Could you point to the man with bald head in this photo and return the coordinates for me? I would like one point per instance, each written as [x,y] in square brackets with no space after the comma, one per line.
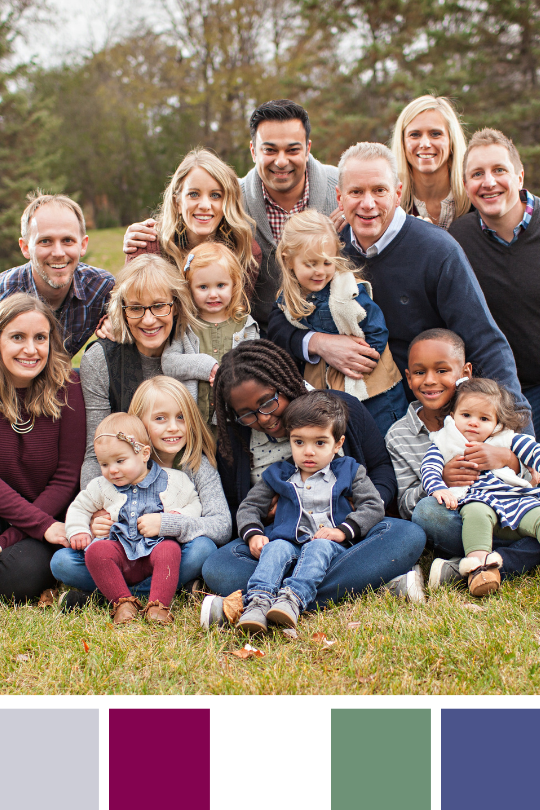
[421,279]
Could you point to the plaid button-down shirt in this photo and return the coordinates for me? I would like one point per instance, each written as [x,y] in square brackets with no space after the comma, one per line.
[83,306]
[277,216]
[526,197]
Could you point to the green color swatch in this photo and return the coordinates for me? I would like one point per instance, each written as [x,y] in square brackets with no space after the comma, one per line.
[381,759]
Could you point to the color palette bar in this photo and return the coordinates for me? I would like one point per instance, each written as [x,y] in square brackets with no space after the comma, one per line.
[159,758]
[48,754]
[490,758]
[381,758]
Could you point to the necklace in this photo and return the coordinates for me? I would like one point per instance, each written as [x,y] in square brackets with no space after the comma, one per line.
[24,427]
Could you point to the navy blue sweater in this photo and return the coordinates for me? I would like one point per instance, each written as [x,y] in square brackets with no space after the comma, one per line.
[363,442]
[423,280]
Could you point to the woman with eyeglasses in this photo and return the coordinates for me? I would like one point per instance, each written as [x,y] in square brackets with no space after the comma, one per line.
[254,384]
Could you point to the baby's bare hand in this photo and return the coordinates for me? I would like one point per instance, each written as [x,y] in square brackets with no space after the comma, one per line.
[446,497]
[149,525]
[327,533]
[80,541]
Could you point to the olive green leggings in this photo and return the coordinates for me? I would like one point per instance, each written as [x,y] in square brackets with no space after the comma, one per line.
[480,522]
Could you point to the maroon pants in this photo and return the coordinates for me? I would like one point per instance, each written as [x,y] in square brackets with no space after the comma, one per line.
[113,572]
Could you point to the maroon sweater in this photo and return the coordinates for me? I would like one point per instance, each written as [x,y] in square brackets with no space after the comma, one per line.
[39,471]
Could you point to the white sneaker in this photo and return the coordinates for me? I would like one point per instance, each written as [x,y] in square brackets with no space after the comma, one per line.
[409,585]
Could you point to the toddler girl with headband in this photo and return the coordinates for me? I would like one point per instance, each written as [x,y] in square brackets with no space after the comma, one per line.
[135,491]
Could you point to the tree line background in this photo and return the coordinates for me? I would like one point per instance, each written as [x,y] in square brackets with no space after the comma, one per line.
[110,126]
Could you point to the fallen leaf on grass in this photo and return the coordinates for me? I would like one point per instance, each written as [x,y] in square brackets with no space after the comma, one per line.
[86,647]
[354,625]
[474,608]
[365,678]
[248,651]
[290,632]
[321,639]
[22,658]
[233,606]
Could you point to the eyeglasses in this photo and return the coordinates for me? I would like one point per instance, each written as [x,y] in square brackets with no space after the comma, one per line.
[266,408]
[138,311]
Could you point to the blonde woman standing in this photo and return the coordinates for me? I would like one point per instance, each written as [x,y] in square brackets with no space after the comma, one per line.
[429,145]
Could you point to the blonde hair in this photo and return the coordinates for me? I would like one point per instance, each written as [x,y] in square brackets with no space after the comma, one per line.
[37,199]
[199,440]
[458,145]
[307,233]
[235,228]
[150,273]
[41,398]
[493,137]
[127,423]
[215,252]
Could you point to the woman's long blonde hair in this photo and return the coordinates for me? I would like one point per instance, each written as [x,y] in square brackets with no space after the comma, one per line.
[458,145]
[217,253]
[234,230]
[42,394]
[150,273]
[199,440]
[313,234]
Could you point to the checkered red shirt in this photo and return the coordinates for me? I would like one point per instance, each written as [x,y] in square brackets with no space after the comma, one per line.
[277,216]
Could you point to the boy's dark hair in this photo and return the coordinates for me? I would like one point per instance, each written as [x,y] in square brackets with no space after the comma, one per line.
[317,409]
[280,110]
[446,335]
[505,405]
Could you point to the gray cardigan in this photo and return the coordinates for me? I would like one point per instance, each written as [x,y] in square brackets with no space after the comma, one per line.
[322,196]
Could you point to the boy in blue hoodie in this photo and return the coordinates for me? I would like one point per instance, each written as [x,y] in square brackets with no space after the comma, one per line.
[314,522]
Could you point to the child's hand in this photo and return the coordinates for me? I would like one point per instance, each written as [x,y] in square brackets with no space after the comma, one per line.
[488,457]
[56,535]
[460,473]
[327,533]
[100,523]
[149,525]
[447,497]
[212,376]
[80,541]
[256,544]
[272,511]
[535,476]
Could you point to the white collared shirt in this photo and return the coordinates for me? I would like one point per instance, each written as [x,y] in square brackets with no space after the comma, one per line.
[398,221]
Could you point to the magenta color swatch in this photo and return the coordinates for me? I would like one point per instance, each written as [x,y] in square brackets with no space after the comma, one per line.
[159,758]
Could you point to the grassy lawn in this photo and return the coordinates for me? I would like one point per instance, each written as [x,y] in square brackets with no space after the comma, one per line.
[105,251]
[451,645]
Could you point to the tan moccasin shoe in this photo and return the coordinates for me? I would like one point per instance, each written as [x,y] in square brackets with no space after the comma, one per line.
[125,610]
[157,612]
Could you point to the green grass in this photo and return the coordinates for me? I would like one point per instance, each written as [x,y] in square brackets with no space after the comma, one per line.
[105,251]
[451,645]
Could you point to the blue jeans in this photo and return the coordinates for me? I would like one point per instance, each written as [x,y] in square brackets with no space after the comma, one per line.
[388,550]
[533,397]
[69,566]
[313,559]
[388,407]
[443,529]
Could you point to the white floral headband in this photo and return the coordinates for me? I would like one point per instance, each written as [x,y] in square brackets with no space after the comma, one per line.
[137,446]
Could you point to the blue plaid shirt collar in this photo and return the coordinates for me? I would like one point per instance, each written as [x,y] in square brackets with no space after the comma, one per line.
[526,197]
[76,288]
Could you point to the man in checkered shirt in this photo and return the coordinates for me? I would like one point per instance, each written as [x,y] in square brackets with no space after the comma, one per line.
[53,238]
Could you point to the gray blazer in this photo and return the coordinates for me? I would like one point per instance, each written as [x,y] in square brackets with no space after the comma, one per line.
[322,196]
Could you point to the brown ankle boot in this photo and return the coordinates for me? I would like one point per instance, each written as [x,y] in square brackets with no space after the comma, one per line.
[157,612]
[47,598]
[125,610]
[483,579]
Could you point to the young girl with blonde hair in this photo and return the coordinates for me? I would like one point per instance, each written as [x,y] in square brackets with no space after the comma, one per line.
[320,292]
[217,285]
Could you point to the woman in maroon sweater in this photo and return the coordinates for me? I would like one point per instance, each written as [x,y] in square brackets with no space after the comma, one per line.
[42,440]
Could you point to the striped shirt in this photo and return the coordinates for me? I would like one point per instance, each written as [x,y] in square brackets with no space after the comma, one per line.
[407,442]
[510,503]
[526,197]
[277,216]
[82,308]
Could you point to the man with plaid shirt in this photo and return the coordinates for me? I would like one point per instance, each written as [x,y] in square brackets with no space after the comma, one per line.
[53,238]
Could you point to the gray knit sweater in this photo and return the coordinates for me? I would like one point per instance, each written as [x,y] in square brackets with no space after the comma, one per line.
[322,196]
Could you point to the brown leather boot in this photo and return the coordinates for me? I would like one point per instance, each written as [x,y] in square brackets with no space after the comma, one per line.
[157,612]
[483,579]
[125,610]
[47,598]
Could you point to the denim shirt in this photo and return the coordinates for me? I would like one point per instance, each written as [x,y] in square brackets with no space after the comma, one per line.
[373,325]
[142,499]
[315,496]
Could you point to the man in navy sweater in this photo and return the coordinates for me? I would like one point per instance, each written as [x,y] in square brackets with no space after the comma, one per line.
[421,279]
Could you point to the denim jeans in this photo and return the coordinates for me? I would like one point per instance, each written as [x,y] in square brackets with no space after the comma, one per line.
[388,407]
[533,396]
[69,566]
[312,559]
[443,529]
[388,550]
